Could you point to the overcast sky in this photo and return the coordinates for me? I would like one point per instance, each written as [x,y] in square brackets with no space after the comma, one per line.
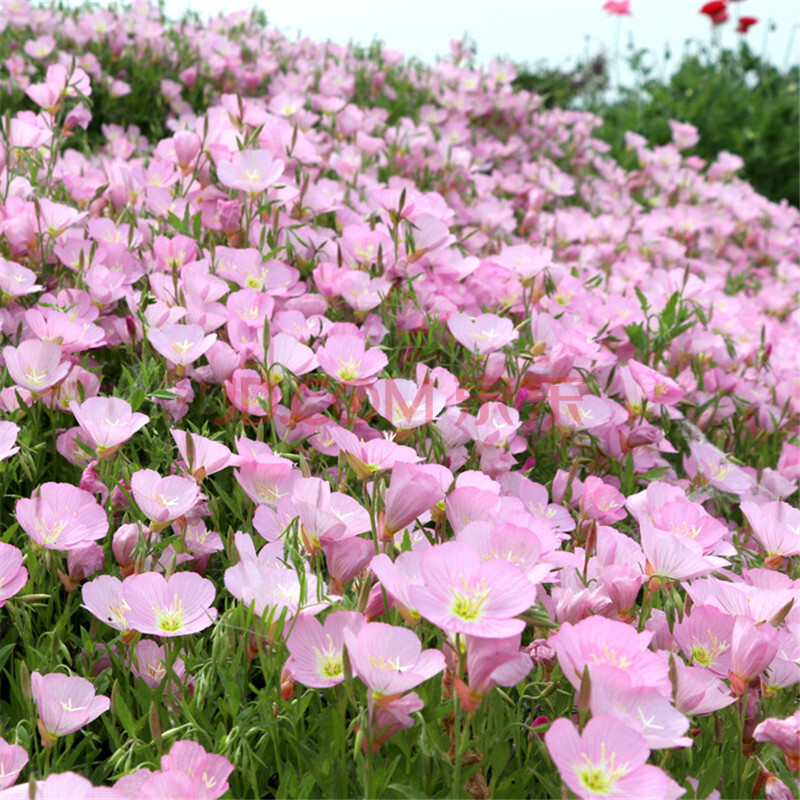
[557,31]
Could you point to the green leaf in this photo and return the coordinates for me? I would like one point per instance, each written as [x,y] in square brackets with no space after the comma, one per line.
[710,777]
[125,717]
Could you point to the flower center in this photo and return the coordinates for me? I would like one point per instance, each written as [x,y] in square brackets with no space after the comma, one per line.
[170,619]
[468,604]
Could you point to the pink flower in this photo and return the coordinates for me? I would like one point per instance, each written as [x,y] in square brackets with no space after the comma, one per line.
[103,598]
[202,456]
[375,455]
[607,760]
[208,771]
[12,759]
[13,576]
[108,422]
[16,280]
[345,359]
[60,785]
[484,333]
[602,502]
[465,594]
[597,640]
[413,489]
[65,704]
[316,649]
[164,500]
[149,664]
[753,647]
[60,516]
[181,344]
[705,636]
[490,663]
[390,660]
[169,607]
[785,733]
[35,365]
[404,403]
[252,171]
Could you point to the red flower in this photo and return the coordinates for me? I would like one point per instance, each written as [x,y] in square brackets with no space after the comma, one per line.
[745,23]
[717,10]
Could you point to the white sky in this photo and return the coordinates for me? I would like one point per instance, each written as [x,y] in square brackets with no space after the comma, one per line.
[557,31]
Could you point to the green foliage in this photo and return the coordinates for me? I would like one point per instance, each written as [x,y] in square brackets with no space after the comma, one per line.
[739,104]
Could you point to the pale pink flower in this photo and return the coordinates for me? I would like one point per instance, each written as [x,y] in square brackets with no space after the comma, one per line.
[208,771]
[345,359]
[108,422]
[602,502]
[149,664]
[163,500]
[465,594]
[8,438]
[657,388]
[13,576]
[753,647]
[251,171]
[597,640]
[372,456]
[58,786]
[316,649]
[705,637]
[404,403]
[785,733]
[169,607]
[484,333]
[776,526]
[65,704]
[35,365]
[12,759]
[103,598]
[607,760]
[60,516]
[390,660]
[413,489]
[16,280]
[490,663]
[643,708]
[181,345]
[202,456]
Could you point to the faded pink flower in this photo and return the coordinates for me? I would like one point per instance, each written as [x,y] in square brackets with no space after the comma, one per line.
[65,704]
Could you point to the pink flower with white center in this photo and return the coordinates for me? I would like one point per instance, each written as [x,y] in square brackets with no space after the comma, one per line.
[108,422]
[644,708]
[361,292]
[482,334]
[56,218]
[181,345]
[577,412]
[13,576]
[397,577]
[12,759]
[597,640]
[675,557]
[785,733]
[65,704]
[60,516]
[57,786]
[149,664]
[202,456]
[707,464]
[404,403]
[208,769]
[103,598]
[490,663]
[35,365]
[286,355]
[16,280]
[251,171]
[365,458]
[607,760]
[390,660]
[249,393]
[742,599]
[691,521]
[164,500]
[8,437]
[465,594]
[169,607]
[602,502]
[316,649]
[271,589]
[266,481]
[776,526]
[345,359]
[705,637]
[494,425]
[657,388]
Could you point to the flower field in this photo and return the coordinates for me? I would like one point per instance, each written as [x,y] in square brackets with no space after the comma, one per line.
[368,431]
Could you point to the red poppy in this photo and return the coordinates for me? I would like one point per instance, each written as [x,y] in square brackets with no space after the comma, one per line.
[717,11]
[745,23]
